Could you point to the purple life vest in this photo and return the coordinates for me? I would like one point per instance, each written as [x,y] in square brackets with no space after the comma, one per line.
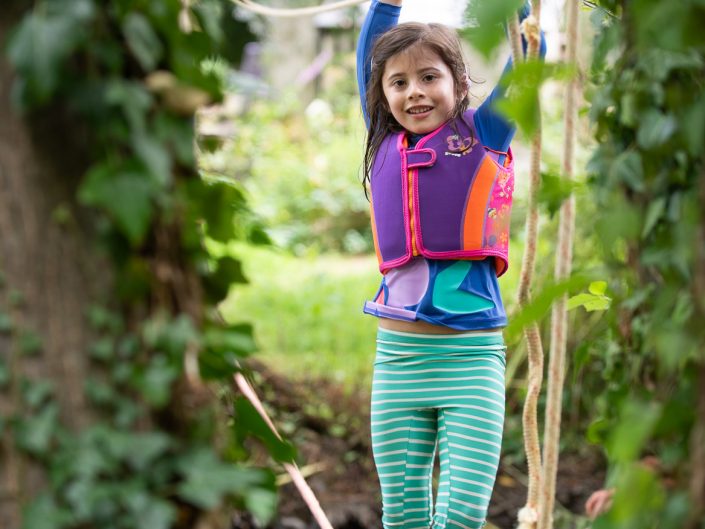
[462,198]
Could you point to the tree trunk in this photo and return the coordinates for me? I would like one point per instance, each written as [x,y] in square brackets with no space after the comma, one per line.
[48,275]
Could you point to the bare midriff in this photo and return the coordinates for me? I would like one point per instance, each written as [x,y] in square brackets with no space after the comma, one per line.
[421,326]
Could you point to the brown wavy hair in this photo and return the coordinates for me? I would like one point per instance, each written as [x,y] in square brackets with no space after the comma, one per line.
[437,38]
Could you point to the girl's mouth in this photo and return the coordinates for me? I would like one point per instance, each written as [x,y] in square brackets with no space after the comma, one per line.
[418,111]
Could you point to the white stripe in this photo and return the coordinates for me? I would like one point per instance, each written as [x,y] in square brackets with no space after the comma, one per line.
[471,482]
[474,418]
[471,505]
[416,489]
[436,370]
[476,461]
[444,336]
[440,379]
[466,449]
[470,493]
[424,390]
[420,509]
[408,417]
[390,453]
[391,441]
[458,524]
[391,464]
[476,439]
[454,511]
[473,471]
[403,429]
[424,362]
[461,349]
[391,475]
[476,428]
[393,495]
[425,399]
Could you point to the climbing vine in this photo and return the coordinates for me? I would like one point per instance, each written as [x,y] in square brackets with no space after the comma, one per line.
[128,76]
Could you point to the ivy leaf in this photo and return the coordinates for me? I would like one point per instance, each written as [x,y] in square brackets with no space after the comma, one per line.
[523,83]
[637,421]
[43,41]
[629,169]
[142,40]
[125,193]
[154,156]
[655,128]
[554,190]
[249,422]
[227,273]
[42,512]
[485,33]
[34,433]
[653,214]
[207,479]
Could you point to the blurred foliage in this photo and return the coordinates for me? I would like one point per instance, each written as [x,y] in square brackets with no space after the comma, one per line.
[300,166]
[647,97]
[134,73]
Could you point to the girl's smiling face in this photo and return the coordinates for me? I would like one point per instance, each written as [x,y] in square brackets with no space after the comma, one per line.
[419,89]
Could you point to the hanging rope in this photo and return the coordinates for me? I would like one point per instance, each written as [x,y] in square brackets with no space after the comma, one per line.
[297,11]
[559,313]
[291,468]
[528,515]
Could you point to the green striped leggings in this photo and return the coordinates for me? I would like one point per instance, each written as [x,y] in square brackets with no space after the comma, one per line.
[442,392]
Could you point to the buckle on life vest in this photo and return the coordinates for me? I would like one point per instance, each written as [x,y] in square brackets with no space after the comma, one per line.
[420,158]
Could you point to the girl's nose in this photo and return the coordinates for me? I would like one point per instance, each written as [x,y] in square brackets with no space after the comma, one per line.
[414,90]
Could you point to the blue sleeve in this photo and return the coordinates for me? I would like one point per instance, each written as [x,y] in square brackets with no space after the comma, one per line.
[380,18]
[493,129]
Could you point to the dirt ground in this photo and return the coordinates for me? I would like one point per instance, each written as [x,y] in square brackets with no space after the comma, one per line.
[331,432]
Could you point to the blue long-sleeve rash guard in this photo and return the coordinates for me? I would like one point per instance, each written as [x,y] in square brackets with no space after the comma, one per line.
[493,130]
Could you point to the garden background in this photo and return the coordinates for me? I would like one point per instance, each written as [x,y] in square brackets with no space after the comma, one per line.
[180,200]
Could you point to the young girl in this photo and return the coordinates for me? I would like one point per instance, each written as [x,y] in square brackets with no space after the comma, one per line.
[441,179]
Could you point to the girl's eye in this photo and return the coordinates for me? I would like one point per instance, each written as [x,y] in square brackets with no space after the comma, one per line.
[398,83]
[429,77]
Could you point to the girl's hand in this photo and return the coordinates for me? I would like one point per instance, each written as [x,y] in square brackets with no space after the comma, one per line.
[392,2]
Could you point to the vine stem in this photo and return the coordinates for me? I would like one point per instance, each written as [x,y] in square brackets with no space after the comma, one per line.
[559,314]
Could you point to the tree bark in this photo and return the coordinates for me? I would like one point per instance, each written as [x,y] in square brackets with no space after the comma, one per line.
[50,275]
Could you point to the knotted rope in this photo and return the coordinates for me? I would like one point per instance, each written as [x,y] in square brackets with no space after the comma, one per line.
[563,267]
[528,515]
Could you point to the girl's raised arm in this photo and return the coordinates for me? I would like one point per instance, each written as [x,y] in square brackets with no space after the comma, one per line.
[493,129]
[383,15]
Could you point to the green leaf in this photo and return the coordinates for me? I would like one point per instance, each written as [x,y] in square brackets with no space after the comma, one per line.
[152,513]
[693,127]
[34,433]
[636,423]
[249,422]
[5,376]
[653,214]
[598,288]
[262,504]
[540,305]
[42,512]
[5,323]
[486,19]
[30,343]
[43,41]
[155,157]
[523,83]
[207,479]
[228,272]
[125,193]
[142,40]
[628,168]
[655,128]
[554,190]
[155,381]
